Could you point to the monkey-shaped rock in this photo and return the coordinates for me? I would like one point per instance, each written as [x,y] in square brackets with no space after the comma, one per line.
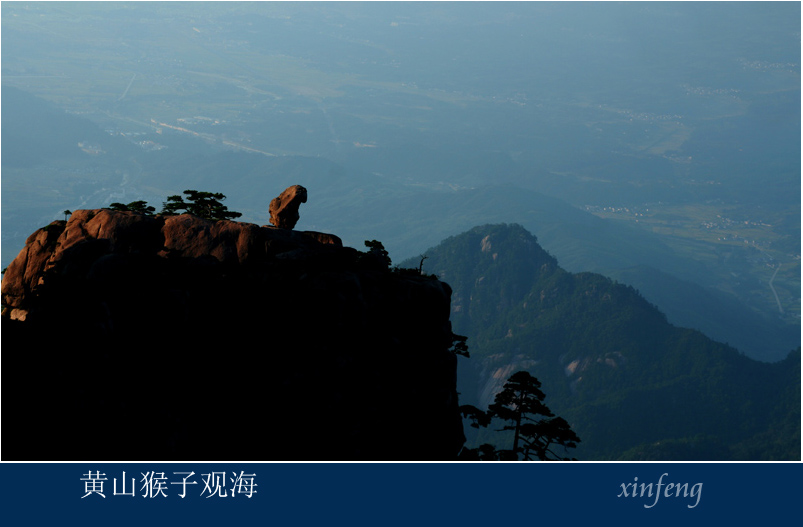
[284,208]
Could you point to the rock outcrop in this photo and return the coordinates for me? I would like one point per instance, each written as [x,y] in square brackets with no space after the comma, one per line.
[284,208]
[151,337]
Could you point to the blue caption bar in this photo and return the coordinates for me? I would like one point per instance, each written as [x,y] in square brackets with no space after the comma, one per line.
[373,494]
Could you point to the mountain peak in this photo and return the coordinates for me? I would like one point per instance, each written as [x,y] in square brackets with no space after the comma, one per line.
[603,353]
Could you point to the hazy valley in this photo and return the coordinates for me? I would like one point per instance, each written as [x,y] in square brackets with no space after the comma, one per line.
[655,144]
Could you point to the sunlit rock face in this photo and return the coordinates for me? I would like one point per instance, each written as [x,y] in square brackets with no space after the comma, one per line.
[283,209]
[138,337]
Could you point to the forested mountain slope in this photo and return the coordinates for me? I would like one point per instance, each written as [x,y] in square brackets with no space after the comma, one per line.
[632,385]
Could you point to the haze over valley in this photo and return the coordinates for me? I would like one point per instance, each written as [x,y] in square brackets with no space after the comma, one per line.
[655,143]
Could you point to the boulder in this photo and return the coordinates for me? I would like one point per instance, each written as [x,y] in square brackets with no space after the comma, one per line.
[284,208]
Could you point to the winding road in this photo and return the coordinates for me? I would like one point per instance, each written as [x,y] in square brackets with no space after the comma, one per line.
[773,288]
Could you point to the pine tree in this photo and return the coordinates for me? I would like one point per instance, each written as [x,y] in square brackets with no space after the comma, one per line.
[535,428]
[140,206]
[205,205]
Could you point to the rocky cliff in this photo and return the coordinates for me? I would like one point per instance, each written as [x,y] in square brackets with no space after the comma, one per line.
[131,337]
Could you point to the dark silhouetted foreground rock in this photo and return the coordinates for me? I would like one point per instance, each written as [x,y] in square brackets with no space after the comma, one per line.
[131,337]
[284,208]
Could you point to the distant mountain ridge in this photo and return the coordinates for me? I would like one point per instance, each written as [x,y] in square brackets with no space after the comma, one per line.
[630,384]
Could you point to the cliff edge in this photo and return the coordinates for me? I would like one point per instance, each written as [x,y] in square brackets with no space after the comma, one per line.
[131,337]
